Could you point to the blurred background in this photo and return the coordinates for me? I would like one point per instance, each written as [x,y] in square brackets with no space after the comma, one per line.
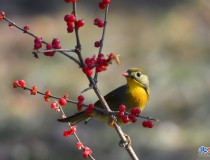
[168,39]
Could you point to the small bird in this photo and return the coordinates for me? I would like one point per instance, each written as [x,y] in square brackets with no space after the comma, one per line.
[133,94]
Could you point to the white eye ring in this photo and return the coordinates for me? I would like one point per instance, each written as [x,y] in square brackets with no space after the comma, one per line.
[138,74]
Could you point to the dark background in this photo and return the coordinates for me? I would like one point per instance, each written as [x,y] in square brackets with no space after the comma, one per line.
[168,39]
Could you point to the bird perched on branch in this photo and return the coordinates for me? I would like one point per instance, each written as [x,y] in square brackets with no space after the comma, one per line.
[133,94]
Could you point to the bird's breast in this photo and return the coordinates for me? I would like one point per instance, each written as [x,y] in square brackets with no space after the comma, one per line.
[138,97]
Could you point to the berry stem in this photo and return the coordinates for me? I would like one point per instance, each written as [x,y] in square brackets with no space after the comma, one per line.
[102,38]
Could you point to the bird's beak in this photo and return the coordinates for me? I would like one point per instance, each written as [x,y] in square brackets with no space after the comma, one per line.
[125,74]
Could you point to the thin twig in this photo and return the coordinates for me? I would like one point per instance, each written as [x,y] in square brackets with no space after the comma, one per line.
[78,46]
[55,50]
[102,39]
[31,34]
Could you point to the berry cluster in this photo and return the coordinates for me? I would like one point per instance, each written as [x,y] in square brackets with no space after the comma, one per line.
[47,96]
[98,22]
[38,43]
[147,124]
[87,151]
[56,107]
[19,83]
[103,4]
[34,90]
[70,20]
[56,44]
[100,63]
[130,117]
[80,102]
[50,53]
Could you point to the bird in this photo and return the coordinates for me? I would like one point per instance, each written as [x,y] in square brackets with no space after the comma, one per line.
[133,94]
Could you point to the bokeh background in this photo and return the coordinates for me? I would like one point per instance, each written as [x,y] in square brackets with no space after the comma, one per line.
[168,39]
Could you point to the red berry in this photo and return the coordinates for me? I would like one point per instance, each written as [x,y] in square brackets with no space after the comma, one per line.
[38,40]
[96,20]
[70,29]
[149,124]
[100,24]
[79,106]
[65,96]
[62,101]
[80,23]
[87,71]
[66,133]
[26,27]
[121,114]
[87,152]
[99,69]
[144,124]
[10,24]
[125,119]
[88,111]
[136,111]
[88,60]
[80,98]
[16,84]
[102,5]
[72,18]
[37,45]
[91,106]
[48,46]
[79,145]
[48,93]
[97,44]
[57,46]
[2,13]
[132,118]
[122,108]
[53,105]
[70,24]
[73,130]
[67,18]
[46,98]
[22,83]
[106,2]
[55,42]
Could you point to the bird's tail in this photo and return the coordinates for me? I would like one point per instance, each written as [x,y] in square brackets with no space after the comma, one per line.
[76,118]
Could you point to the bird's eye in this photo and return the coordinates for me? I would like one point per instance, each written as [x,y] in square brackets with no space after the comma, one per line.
[138,74]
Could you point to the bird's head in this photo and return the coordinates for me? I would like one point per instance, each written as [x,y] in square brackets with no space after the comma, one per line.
[136,76]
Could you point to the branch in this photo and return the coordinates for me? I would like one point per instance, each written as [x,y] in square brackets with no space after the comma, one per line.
[31,34]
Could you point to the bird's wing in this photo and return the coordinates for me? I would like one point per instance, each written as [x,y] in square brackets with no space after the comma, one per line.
[115,98]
